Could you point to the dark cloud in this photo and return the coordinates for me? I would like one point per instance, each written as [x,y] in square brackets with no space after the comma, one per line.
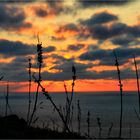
[134,30]
[92,47]
[110,74]
[83,35]
[54,38]
[16,70]
[81,32]
[49,49]
[75,47]
[105,32]
[41,12]
[11,48]
[67,27]
[90,3]
[82,72]
[59,58]
[99,18]
[106,56]
[125,40]
[54,3]
[58,7]
[12,18]
[94,28]
[17,1]
[66,70]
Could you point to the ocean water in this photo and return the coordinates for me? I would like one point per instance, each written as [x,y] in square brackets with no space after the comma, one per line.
[105,105]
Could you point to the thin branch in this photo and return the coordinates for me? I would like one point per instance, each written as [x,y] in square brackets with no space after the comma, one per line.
[30,80]
[52,102]
[121,91]
[72,93]
[137,77]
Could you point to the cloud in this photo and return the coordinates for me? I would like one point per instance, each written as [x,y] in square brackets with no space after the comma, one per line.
[66,70]
[67,30]
[51,8]
[90,3]
[58,58]
[92,47]
[58,7]
[49,49]
[54,2]
[12,18]
[17,1]
[110,74]
[125,40]
[16,70]
[54,38]
[67,27]
[96,28]
[106,56]
[75,47]
[11,48]
[99,18]
[41,12]
[82,73]
[134,30]
[105,32]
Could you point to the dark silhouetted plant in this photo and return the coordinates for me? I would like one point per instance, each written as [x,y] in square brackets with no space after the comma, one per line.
[68,111]
[88,124]
[53,103]
[1,78]
[7,100]
[67,97]
[137,77]
[71,117]
[79,117]
[29,94]
[100,127]
[40,61]
[121,91]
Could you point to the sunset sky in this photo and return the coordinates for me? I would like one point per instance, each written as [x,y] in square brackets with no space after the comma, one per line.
[73,32]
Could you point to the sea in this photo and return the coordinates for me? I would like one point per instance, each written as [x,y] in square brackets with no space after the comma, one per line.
[102,105]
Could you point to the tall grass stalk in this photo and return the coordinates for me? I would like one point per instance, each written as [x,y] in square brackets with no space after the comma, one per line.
[1,78]
[88,124]
[100,127]
[73,82]
[67,97]
[71,97]
[53,103]
[30,78]
[7,99]
[137,77]
[121,91]
[40,61]
[71,117]
[79,117]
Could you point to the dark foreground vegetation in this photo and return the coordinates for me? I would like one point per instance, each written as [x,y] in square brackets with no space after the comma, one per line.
[14,127]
